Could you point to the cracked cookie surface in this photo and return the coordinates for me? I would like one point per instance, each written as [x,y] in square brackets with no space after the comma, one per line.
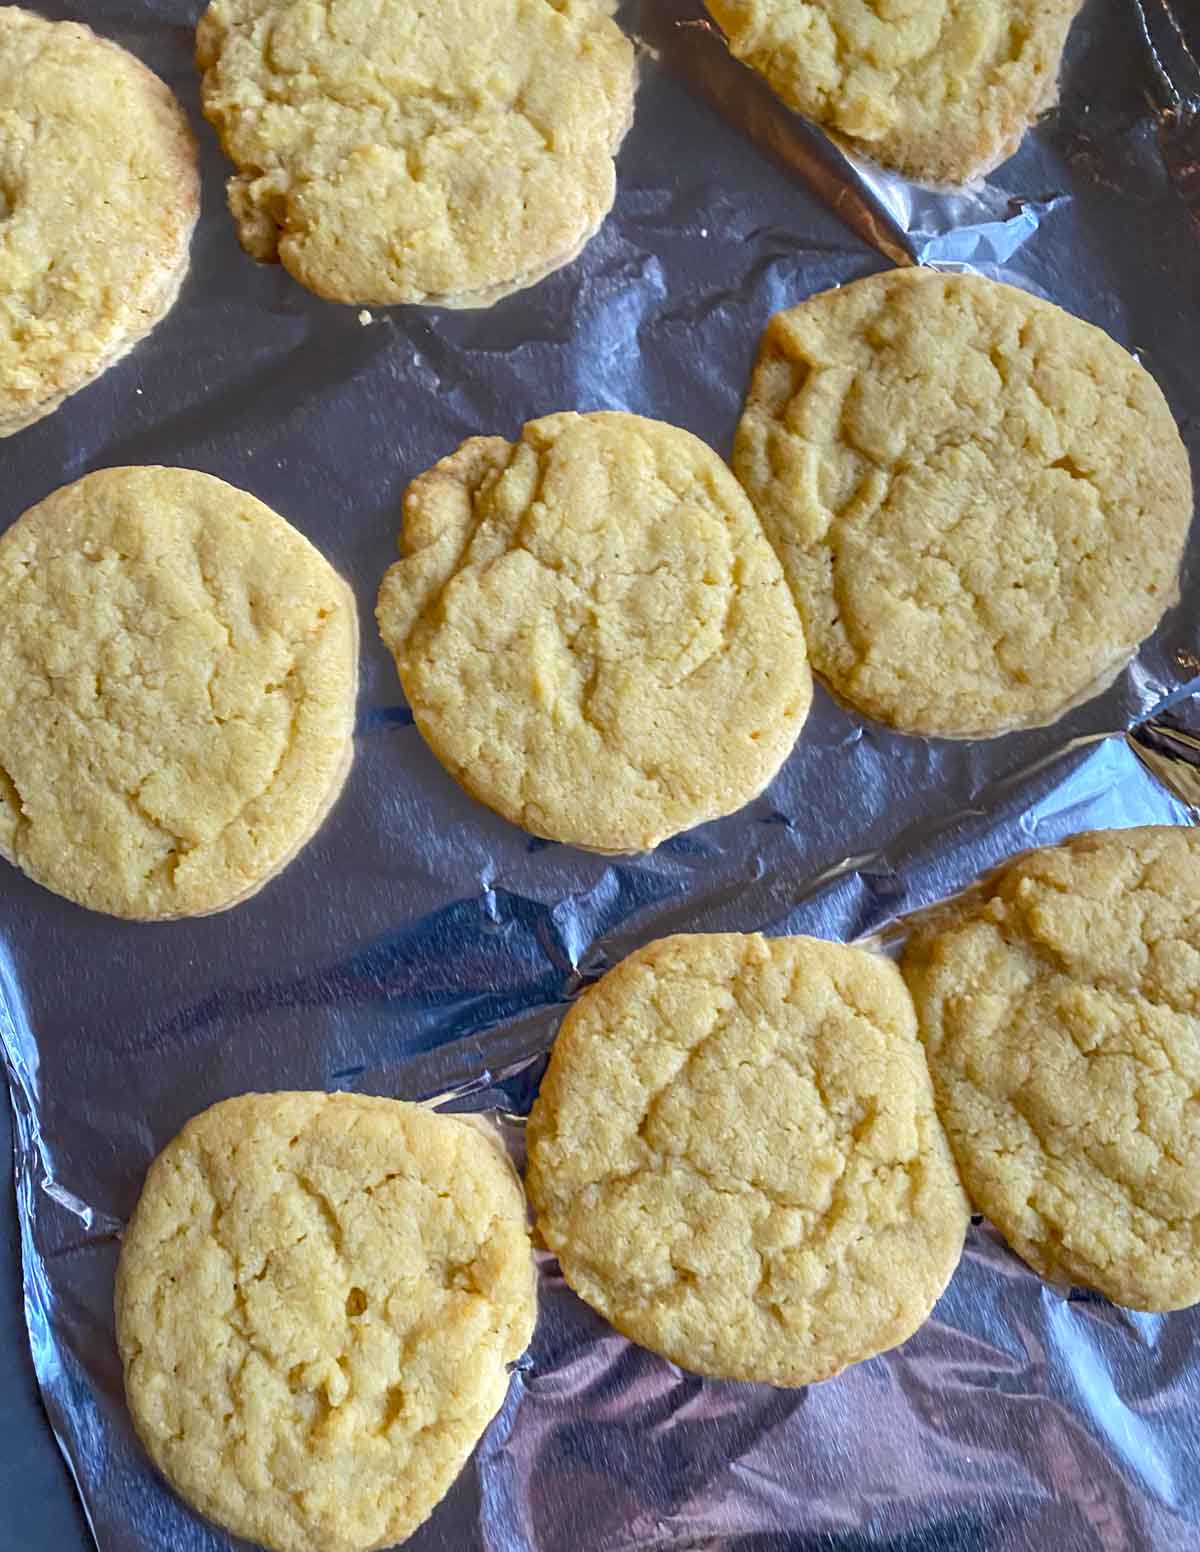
[593,634]
[1060,1010]
[431,151]
[941,90]
[735,1157]
[317,1300]
[99,193]
[177,685]
[980,502]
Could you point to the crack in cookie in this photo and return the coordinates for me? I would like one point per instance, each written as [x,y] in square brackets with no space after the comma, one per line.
[735,1157]
[1060,1009]
[99,194]
[444,152]
[593,633]
[317,1301]
[937,89]
[177,685]
[980,502]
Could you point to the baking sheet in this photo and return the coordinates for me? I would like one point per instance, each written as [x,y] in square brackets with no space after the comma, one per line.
[421,946]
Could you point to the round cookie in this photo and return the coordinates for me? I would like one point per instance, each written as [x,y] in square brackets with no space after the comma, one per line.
[980,502]
[736,1159]
[940,91]
[593,634]
[432,151]
[316,1302]
[99,193]
[178,670]
[1060,1009]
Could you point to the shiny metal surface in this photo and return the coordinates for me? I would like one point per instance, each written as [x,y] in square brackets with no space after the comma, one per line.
[420,946]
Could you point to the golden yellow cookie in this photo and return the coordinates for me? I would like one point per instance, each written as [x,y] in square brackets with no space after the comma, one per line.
[99,192]
[1060,1009]
[441,151]
[941,90]
[735,1157]
[316,1303]
[980,502]
[592,632]
[177,684]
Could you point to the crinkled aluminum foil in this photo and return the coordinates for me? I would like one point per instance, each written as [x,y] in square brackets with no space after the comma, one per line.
[421,947]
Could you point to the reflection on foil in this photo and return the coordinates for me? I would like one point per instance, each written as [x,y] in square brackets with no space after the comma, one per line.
[1175,49]
[1175,52]
[423,948]
[690,46]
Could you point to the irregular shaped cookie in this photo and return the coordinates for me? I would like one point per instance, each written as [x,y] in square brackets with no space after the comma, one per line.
[592,632]
[941,90]
[440,151]
[177,684]
[1060,1009]
[980,502]
[317,1301]
[736,1159]
[99,193]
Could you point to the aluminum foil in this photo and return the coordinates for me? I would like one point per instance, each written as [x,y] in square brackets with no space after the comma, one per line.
[421,947]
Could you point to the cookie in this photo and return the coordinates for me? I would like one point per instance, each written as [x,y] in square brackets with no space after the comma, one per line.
[592,632]
[99,193]
[940,91]
[317,1300]
[980,502]
[735,1157]
[434,151]
[177,685]
[1060,1009]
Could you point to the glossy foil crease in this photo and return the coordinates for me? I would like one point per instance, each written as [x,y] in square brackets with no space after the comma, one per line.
[421,947]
